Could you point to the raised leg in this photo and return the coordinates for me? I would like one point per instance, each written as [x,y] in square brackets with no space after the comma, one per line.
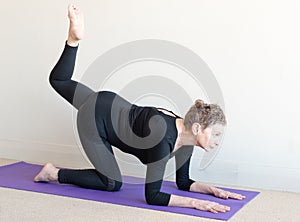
[60,77]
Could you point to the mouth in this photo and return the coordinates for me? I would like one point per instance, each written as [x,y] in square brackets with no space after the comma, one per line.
[207,149]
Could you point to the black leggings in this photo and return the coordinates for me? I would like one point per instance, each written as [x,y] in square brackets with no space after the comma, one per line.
[77,94]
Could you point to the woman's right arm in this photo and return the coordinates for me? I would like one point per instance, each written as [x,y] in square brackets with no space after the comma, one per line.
[180,201]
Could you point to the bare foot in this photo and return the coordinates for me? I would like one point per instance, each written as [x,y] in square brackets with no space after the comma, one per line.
[76,28]
[47,174]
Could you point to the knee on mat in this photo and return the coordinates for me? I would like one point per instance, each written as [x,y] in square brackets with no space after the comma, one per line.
[114,185]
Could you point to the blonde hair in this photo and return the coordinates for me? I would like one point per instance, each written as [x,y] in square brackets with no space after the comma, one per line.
[204,114]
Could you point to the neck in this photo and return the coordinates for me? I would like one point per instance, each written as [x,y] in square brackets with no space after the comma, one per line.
[185,137]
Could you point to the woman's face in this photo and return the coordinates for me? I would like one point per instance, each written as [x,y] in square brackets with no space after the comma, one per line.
[209,138]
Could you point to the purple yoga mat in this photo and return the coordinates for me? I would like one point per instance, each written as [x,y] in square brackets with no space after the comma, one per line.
[20,176]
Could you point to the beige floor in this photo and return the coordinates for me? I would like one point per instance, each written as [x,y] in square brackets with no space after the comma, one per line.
[22,206]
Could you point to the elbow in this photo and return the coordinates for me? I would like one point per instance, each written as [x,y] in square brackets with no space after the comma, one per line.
[154,199]
[183,186]
[158,198]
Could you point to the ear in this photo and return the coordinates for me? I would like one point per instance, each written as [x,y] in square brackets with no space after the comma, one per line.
[196,127]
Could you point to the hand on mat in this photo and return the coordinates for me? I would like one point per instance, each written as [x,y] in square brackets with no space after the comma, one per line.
[210,206]
[226,194]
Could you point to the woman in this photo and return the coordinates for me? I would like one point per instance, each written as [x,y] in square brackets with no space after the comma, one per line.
[152,134]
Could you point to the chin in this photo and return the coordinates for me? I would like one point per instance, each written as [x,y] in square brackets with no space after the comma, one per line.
[205,149]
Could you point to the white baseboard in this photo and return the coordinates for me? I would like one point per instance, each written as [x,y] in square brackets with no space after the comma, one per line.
[249,175]
[39,152]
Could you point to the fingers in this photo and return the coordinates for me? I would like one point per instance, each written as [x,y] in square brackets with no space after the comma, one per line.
[236,196]
[215,208]
[226,194]
[223,195]
[221,208]
[212,207]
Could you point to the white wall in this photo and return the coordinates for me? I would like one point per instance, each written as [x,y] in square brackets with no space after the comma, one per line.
[252,48]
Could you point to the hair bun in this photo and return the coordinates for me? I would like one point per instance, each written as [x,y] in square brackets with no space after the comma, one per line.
[199,103]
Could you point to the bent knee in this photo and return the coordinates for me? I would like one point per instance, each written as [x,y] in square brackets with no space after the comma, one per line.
[114,185]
